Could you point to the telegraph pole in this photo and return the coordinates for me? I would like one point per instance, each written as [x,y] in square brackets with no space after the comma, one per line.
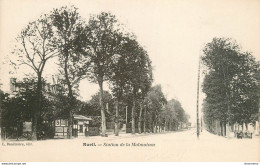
[201,123]
[126,115]
[198,87]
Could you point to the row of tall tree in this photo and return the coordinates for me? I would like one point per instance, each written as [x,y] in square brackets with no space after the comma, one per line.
[99,49]
[231,84]
[152,113]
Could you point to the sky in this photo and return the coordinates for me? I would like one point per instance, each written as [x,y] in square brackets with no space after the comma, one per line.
[172,31]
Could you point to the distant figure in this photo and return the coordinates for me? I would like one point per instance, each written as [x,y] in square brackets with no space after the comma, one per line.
[86,131]
[41,135]
[100,130]
[240,135]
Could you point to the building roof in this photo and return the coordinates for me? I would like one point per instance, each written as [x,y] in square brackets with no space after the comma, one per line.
[80,117]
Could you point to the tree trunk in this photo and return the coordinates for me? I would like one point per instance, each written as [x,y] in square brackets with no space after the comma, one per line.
[34,126]
[139,120]
[152,127]
[133,117]
[225,129]
[145,120]
[228,129]
[38,107]
[70,124]
[71,99]
[116,118]
[221,128]
[103,115]
[155,126]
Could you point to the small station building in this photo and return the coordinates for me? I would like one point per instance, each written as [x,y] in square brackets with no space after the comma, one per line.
[80,127]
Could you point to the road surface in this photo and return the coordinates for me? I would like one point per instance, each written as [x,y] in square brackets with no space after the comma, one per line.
[175,146]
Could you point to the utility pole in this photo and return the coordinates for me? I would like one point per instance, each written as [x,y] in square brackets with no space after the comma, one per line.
[198,86]
[107,108]
[259,120]
[126,115]
[201,123]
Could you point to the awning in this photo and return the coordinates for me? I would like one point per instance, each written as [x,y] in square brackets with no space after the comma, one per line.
[80,117]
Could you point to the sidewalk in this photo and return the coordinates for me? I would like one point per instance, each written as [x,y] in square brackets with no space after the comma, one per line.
[211,147]
[109,137]
[121,136]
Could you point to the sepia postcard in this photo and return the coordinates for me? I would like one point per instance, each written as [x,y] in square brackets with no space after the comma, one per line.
[130,81]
